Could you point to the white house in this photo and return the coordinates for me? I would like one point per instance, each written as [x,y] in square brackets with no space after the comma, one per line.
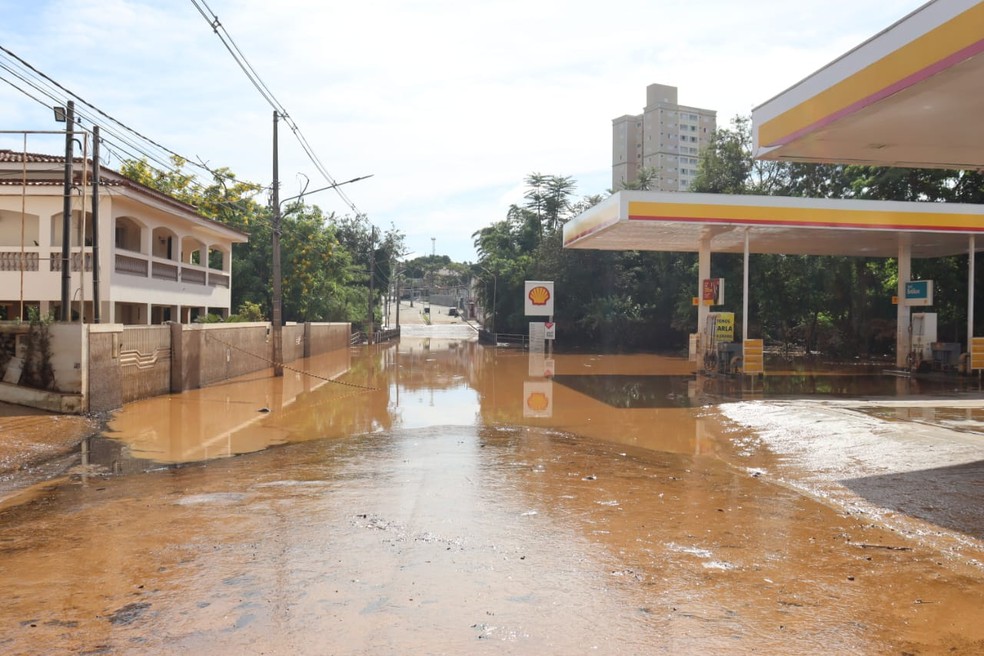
[159,260]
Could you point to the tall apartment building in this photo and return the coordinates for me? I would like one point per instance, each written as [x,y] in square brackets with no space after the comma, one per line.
[666,137]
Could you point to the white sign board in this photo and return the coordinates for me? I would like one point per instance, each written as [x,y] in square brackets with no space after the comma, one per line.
[550,330]
[539,298]
[537,338]
[919,292]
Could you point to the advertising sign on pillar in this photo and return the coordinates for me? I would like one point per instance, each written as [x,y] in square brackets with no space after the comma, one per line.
[712,292]
[539,298]
[538,399]
[724,326]
[919,292]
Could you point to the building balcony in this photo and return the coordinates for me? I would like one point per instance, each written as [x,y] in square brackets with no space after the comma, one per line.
[135,264]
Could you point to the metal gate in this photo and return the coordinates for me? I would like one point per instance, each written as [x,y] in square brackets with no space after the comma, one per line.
[145,361]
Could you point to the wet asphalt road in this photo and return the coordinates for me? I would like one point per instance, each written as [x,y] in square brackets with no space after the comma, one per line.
[451,510]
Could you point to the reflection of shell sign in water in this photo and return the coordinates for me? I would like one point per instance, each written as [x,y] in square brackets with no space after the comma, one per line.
[538,399]
[537,402]
[539,298]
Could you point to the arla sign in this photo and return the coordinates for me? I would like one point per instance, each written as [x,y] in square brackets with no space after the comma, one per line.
[539,298]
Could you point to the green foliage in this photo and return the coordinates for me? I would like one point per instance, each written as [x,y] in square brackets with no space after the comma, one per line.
[248,312]
[37,370]
[325,259]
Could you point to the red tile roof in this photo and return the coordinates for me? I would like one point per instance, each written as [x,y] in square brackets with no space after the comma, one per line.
[108,178]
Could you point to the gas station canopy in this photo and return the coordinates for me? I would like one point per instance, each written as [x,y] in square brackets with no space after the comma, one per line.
[661,221]
[910,96]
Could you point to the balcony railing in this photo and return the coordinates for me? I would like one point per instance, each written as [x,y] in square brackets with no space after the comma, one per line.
[137,265]
[131,266]
[218,279]
[55,262]
[164,271]
[194,276]
[13,260]
[17,261]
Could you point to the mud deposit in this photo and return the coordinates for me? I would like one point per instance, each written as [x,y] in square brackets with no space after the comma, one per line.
[445,513]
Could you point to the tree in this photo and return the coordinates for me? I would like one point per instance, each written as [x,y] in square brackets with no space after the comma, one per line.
[325,259]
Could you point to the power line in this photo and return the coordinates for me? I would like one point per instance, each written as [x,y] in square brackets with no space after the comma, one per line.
[213,20]
[123,138]
[98,111]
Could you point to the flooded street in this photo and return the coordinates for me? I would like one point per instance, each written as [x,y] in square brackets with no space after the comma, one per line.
[439,497]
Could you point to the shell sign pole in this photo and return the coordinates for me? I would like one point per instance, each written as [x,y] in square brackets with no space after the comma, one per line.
[539,302]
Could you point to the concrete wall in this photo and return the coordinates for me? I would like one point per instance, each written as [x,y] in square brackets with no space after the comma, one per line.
[66,348]
[95,373]
[144,361]
[293,342]
[203,354]
[324,337]
[104,374]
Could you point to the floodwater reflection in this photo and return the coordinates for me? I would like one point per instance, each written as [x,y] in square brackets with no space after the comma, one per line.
[436,498]
[645,400]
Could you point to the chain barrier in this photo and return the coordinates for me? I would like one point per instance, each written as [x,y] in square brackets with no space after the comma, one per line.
[364,388]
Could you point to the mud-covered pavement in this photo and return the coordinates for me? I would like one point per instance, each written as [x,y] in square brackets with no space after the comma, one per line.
[453,510]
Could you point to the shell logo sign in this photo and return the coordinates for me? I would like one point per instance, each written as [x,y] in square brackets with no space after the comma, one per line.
[539,299]
[539,295]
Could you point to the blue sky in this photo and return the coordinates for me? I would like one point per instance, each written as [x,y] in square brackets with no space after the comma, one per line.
[447,104]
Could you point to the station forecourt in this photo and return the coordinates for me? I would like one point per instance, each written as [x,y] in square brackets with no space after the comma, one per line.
[907,97]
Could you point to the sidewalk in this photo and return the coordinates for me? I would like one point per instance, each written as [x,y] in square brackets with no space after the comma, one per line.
[30,440]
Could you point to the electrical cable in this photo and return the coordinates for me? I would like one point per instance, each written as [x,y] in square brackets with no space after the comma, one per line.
[213,20]
[126,140]
[96,109]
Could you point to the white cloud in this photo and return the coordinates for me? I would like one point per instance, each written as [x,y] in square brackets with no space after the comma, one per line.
[448,104]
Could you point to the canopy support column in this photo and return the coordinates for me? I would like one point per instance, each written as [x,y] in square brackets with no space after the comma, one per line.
[703,273]
[971,247]
[744,293]
[902,336]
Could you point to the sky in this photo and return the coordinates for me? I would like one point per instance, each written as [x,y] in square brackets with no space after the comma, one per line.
[448,105]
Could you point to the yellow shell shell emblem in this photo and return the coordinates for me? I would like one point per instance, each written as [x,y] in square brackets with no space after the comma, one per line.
[539,295]
[537,401]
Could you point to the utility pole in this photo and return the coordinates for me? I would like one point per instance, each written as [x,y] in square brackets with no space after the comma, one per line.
[372,275]
[277,332]
[96,296]
[66,268]
[398,272]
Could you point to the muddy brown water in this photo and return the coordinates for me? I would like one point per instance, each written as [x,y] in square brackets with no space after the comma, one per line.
[454,509]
